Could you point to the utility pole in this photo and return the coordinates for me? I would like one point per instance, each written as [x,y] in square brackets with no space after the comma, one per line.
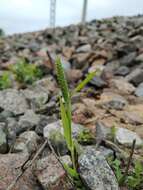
[84,11]
[52,13]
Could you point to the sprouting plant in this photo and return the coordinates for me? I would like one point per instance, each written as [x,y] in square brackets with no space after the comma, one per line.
[5,81]
[25,73]
[132,178]
[135,179]
[116,165]
[65,110]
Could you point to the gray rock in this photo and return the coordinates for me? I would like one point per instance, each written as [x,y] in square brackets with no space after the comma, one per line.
[84,48]
[34,46]
[12,100]
[55,126]
[44,120]
[12,128]
[102,131]
[96,172]
[10,167]
[135,77]
[129,59]
[139,90]
[122,86]
[37,96]
[106,152]
[54,132]
[122,71]
[98,82]
[27,142]
[139,58]
[125,137]
[48,84]
[50,174]
[3,139]
[28,121]
[117,103]
[132,118]
[5,114]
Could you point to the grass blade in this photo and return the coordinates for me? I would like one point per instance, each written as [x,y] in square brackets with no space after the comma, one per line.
[82,84]
[66,125]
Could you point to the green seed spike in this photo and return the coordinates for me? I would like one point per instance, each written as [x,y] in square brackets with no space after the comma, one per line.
[62,81]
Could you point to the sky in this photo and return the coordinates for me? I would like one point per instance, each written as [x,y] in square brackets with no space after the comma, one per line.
[17,16]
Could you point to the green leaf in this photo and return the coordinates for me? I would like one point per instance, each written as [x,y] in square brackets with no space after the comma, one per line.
[66,126]
[116,165]
[81,85]
[138,169]
[71,171]
[5,81]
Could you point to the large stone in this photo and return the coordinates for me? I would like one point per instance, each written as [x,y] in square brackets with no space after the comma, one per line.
[129,59]
[139,58]
[37,96]
[73,75]
[10,168]
[84,48]
[12,100]
[116,102]
[48,84]
[28,121]
[102,131]
[26,142]
[98,82]
[139,90]
[54,132]
[96,172]
[12,128]
[135,77]
[44,120]
[125,137]
[3,138]
[80,59]
[50,174]
[122,71]
[122,86]
[132,118]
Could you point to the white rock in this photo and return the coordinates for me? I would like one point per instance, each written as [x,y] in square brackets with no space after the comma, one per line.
[126,137]
[84,48]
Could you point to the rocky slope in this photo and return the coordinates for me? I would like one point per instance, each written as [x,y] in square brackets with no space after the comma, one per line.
[111,105]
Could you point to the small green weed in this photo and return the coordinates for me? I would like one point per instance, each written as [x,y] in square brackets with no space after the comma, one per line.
[5,81]
[65,110]
[134,180]
[25,73]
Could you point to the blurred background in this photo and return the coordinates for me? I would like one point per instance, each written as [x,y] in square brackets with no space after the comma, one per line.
[17,16]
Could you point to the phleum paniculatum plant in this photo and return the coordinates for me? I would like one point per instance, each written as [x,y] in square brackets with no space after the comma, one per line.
[65,110]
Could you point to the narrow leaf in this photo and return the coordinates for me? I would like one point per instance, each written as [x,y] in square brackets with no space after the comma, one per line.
[66,126]
[71,171]
[81,85]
